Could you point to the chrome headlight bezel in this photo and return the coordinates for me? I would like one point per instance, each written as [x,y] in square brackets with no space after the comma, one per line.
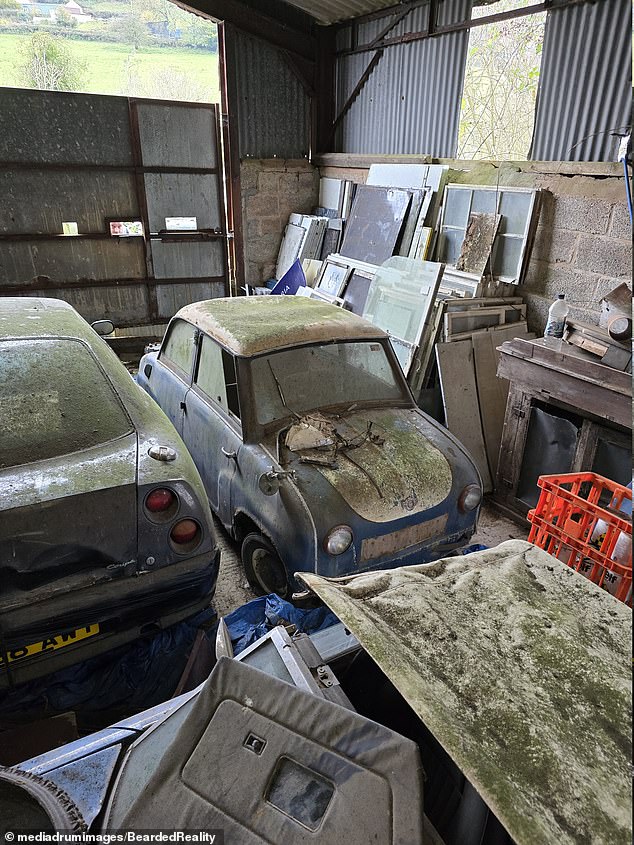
[338,540]
[470,498]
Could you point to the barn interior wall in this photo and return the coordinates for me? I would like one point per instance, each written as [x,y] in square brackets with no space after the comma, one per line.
[271,190]
[583,243]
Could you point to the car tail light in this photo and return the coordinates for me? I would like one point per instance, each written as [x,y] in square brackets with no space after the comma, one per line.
[160,500]
[185,532]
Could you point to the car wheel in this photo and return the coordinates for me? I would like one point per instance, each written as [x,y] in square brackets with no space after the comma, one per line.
[262,565]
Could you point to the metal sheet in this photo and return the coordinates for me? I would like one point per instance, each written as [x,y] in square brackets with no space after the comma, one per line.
[71,260]
[274,107]
[183,195]
[125,305]
[590,44]
[192,260]
[170,298]
[177,136]
[38,201]
[60,128]
[331,11]
[411,101]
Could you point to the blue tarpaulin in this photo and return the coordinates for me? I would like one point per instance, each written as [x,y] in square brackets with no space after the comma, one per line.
[134,676]
[254,619]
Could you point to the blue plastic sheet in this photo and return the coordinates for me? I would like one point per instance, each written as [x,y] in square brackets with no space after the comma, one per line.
[291,281]
[134,676]
[254,619]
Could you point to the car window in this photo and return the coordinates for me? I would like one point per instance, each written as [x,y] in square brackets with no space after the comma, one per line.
[311,377]
[216,376]
[179,346]
[54,399]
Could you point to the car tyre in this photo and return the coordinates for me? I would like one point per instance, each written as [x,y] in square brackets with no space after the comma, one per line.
[262,565]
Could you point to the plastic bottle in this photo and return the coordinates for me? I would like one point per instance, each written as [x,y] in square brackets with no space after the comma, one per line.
[557,314]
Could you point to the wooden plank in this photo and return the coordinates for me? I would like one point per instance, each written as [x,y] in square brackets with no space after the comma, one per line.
[460,401]
[558,357]
[492,390]
[492,395]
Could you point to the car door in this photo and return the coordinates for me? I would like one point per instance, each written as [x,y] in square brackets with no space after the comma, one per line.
[211,425]
[170,377]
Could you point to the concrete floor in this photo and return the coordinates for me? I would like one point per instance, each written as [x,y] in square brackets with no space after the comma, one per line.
[233,589]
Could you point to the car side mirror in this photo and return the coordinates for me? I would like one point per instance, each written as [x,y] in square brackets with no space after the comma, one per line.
[103,327]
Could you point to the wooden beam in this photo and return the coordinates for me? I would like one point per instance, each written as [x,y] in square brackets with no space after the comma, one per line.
[299,42]
[546,6]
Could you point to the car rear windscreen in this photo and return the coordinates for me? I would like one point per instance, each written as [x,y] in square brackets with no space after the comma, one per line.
[54,399]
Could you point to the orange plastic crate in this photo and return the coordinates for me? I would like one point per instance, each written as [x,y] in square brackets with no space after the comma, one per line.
[578,520]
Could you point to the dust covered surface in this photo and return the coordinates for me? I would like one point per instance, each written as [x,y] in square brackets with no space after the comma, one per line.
[522,670]
[249,325]
[405,474]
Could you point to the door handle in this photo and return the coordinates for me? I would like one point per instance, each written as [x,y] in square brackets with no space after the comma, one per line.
[233,455]
[184,406]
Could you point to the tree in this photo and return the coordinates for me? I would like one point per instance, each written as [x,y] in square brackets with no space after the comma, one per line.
[500,87]
[49,64]
[65,19]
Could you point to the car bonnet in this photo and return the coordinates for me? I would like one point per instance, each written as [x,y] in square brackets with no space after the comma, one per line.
[520,668]
[385,467]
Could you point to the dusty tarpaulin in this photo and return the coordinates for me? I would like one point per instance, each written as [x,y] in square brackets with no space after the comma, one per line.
[521,669]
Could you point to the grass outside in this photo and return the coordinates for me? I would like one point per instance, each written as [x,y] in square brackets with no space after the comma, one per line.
[113,68]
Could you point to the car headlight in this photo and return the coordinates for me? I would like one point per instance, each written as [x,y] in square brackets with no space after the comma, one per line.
[338,540]
[470,498]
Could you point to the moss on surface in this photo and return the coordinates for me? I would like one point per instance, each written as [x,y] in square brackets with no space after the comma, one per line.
[521,669]
[249,325]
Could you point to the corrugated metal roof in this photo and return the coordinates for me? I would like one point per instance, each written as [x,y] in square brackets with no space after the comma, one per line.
[331,11]
[411,101]
[585,83]
[274,108]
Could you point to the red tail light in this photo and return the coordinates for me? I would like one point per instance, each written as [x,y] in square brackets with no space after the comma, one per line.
[160,500]
[184,532]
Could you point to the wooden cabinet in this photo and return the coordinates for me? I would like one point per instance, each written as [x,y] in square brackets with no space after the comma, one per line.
[564,413]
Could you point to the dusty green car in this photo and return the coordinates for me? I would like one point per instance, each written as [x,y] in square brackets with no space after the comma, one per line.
[309,442]
[105,529]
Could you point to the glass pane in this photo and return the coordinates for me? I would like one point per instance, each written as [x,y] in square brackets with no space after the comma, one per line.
[210,377]
[450,245]
[457,207]
[340,374]
[179,346]
[507,256]
[515,210]
[54,399]
[485,201]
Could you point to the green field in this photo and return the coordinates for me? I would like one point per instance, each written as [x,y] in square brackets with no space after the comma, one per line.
[166,72]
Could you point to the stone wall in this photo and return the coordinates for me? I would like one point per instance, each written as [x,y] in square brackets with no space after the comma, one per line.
[583,245]
[271,190]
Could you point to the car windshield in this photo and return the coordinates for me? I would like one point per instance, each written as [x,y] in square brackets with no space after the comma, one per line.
[306,378]
[54,399]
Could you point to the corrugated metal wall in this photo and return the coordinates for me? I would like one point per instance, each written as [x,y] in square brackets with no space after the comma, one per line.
[274,108]
[411,101]
[585,82]
[90,159]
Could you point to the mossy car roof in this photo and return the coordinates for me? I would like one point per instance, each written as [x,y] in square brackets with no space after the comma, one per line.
[251,325]
[22,316]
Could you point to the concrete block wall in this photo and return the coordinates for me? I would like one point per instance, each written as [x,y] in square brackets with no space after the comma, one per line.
[583,244]
[271,190]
